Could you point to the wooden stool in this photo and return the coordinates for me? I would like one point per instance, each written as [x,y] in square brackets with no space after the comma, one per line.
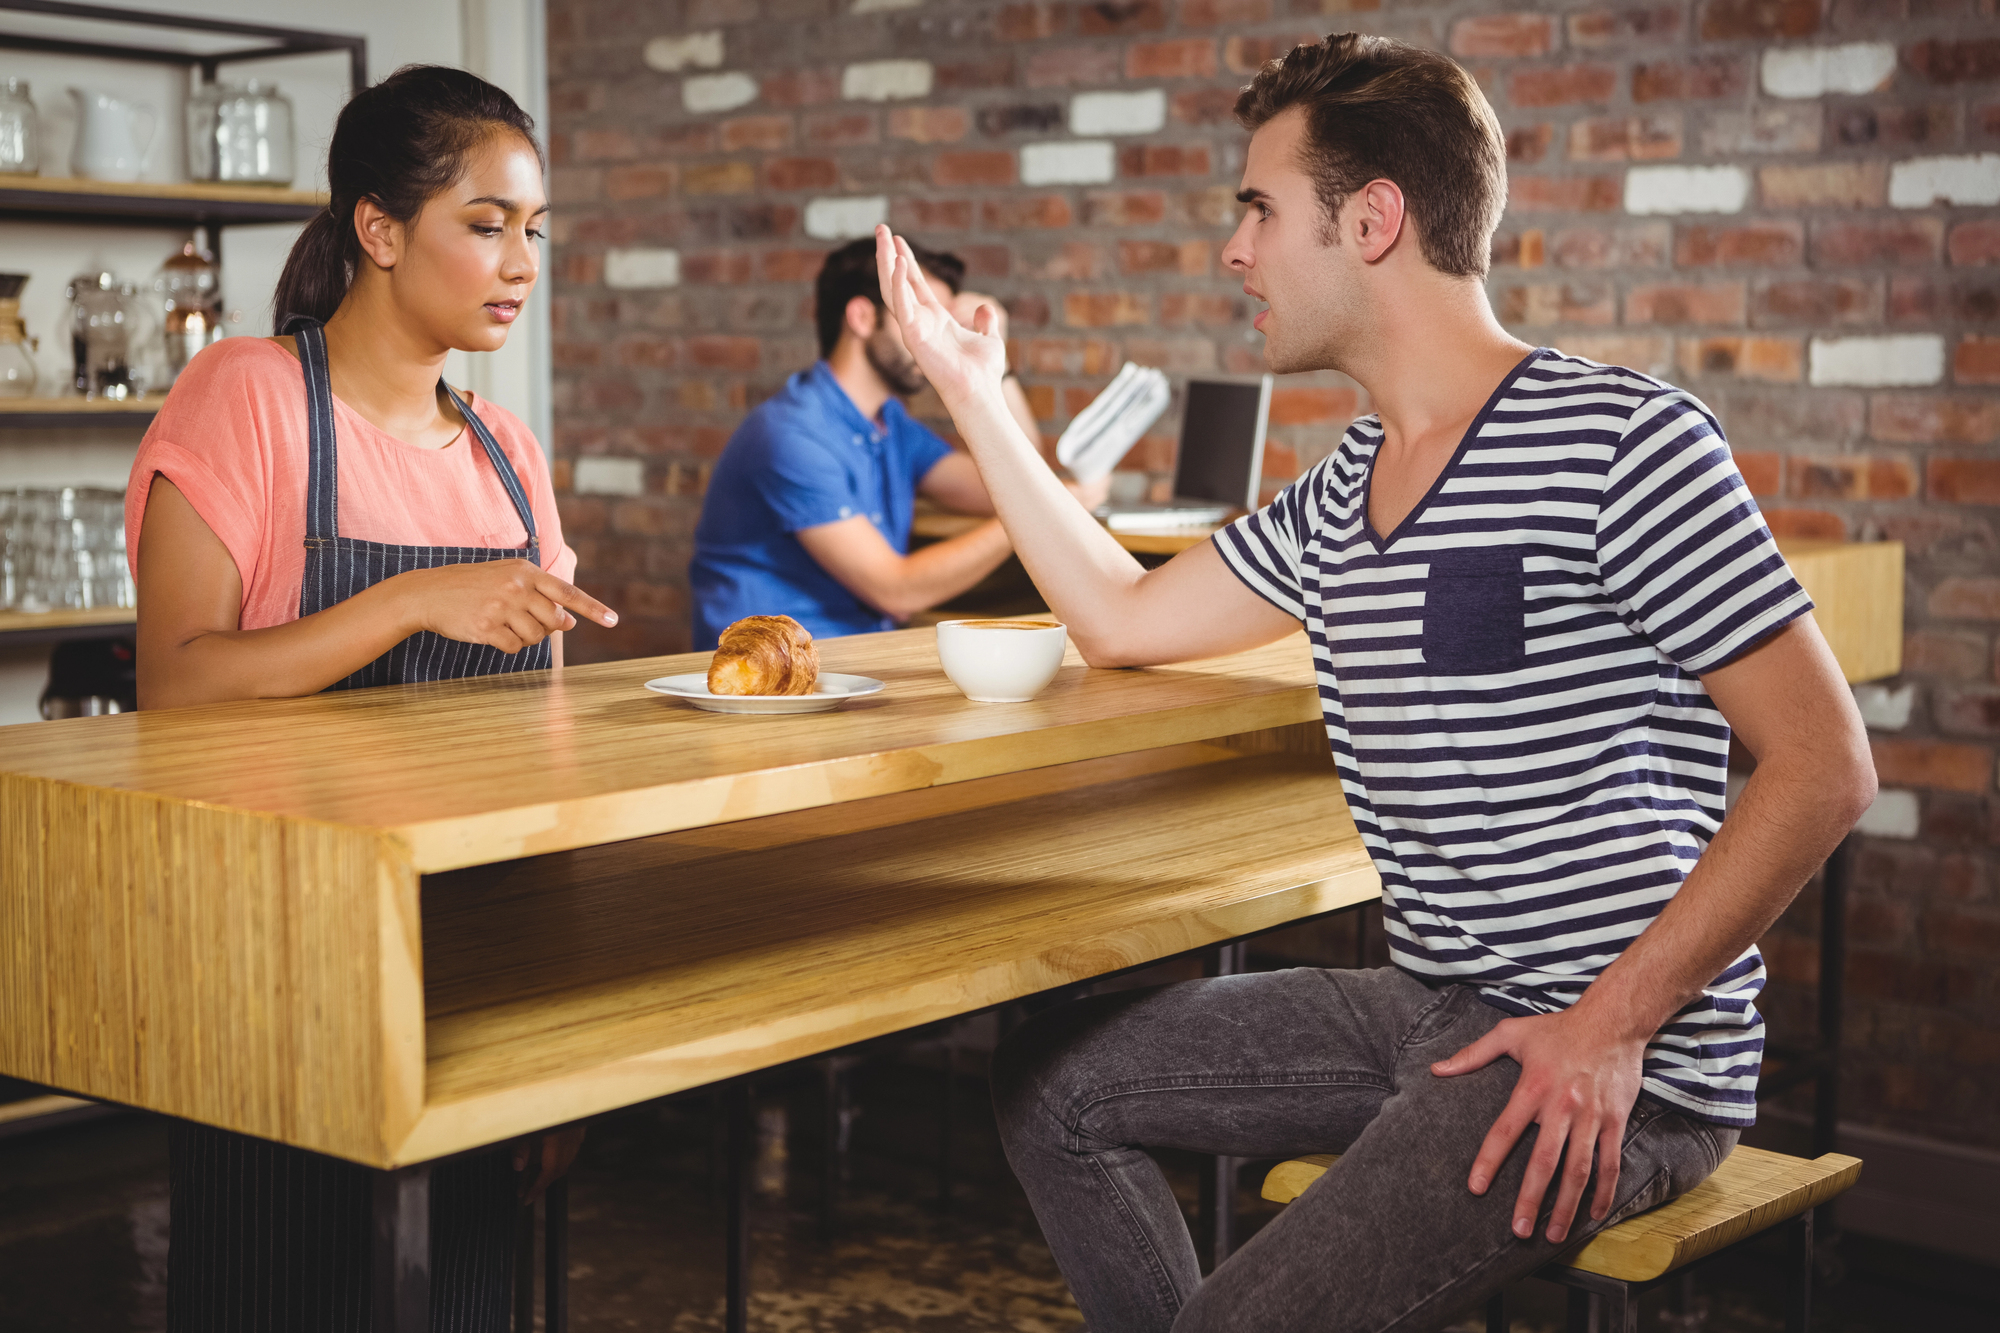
[1751,1191]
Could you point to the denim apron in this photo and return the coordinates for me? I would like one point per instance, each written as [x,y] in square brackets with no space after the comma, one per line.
[272,1239]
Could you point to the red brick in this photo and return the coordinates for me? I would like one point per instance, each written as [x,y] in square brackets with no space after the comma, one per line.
[570,355]
[1977,361]
[1965,480]
[1541,304]
[1641,246]
[1764,244]
[1966,599]
[1068,356]
[1529,143]
[1163,160]
[766,132]
[929,124]
[1975,243]
[994,71]
[1685,303]
[715,266]
[1776,359]
[1913,240]
[1974,711]
[1622,138]
[1702,77]
[840,129]
[725,352]
[1204,106]
[1216,13]
[679,140]
[1809,524]
[1312,407]
[1026,23]
[1182,356]
[1061,66]
[1562,85]
[1112,18]
[973,168]
[602,145]
[1522,249]
[1123,208]
[1723,20]
[1912,300]
[1036,210]
[583,515]
[1916,126]
[1963,932]
[1503,35]
[606,394]
[800,87]
[1825,185]
[1616,27]
[1815,301]
[941,215]
[1181,58]
[1072,261]
[639,181]
[1215,206]
[1247,55]
[1763,472]
[790,265]
[986,261]
[1565,194]
[1956,656]
[718,178]
[1104,310]
[1934,419]
[1190,259]
[1042,401]
[1814,417]
[1826,478]
[801,173]
[1179,309]
[1973,60]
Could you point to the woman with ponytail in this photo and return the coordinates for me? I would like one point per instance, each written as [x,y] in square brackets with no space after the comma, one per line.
[320,511]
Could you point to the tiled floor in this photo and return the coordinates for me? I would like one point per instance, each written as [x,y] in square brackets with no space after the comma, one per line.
[83,1233]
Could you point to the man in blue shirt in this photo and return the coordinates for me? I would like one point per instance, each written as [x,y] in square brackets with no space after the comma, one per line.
[809,508]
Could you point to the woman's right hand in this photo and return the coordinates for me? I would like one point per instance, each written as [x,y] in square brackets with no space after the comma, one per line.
[957,360]
[504,604]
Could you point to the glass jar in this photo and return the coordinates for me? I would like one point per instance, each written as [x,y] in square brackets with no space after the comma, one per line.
[240,132]
[190,290]
[20,130]
[17,350]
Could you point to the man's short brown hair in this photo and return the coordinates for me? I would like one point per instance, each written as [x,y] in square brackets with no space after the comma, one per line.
[1379,110]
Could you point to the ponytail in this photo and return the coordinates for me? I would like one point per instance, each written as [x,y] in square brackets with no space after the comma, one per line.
[400,144]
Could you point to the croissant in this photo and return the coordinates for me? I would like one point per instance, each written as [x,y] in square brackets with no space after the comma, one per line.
[764,655]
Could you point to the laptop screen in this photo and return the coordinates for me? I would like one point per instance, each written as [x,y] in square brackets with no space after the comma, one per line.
[1222,442]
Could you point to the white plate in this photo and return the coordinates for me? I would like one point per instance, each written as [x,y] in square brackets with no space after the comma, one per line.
[834,689]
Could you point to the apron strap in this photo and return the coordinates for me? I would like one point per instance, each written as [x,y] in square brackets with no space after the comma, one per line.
[322,458]
[498,458]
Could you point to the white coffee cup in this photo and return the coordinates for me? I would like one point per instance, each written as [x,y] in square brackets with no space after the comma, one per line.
[1000,661]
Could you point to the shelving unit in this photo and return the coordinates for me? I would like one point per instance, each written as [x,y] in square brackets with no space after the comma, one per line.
[25,627]
[31,413]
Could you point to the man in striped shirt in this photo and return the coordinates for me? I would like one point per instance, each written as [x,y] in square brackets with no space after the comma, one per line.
[1538,597]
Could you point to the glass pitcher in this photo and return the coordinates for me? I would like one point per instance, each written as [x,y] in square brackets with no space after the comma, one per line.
[20,130]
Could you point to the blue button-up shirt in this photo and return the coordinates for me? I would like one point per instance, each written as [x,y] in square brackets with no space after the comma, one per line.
[805,457]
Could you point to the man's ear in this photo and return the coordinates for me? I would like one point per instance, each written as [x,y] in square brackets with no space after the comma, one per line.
[380,235]
[1377,218]
[862,317]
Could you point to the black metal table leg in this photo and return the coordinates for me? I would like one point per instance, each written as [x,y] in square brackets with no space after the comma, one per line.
[1832,994]
[1496,1313]
[524,1271]
[1799,1273]
[555,1257]
[736,1268]
[947,1113]
[400,1276]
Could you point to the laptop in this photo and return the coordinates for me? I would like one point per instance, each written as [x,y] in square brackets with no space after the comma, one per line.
[1220,463]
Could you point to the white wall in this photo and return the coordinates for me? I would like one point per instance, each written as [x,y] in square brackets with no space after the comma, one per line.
[498,39]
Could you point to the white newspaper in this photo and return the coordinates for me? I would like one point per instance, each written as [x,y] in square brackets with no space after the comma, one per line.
[1106,430]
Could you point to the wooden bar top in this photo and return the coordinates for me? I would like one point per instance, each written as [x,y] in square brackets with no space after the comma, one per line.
[468,772]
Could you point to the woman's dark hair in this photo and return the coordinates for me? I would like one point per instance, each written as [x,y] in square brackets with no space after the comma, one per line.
[850,272]
[399,143]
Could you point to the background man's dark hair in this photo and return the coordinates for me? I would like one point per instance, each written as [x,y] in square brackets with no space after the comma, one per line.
[1379,110]
[850,272]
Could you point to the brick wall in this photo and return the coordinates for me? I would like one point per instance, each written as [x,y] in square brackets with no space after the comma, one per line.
[1785,205]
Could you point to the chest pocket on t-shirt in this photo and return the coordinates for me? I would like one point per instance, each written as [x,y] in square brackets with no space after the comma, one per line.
[1475,613]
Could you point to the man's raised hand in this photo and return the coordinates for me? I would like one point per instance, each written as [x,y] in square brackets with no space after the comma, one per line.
[958,361]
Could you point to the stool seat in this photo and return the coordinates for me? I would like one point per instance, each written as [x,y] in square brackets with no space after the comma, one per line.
[1751,1191]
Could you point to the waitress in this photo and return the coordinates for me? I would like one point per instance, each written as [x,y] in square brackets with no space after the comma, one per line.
[321,511]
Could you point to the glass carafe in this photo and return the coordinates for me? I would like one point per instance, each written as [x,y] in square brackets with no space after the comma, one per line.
[20,130]
[17,350]
[240,132]
[103,321]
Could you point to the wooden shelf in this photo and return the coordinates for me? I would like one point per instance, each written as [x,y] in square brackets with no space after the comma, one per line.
[35,413]
[19,627]
[81,200]
[573,983]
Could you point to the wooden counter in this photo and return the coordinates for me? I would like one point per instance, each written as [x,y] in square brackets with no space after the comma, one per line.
[393,924]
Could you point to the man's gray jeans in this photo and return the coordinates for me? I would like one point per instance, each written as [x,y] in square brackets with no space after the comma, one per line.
[1279,1064]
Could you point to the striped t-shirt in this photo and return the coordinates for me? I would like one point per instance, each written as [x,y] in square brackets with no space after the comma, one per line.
[1511,683]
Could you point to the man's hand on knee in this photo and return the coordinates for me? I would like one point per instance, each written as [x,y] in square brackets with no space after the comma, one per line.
[1578,1084]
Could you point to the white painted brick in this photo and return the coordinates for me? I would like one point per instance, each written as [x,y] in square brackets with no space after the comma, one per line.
[1118,113]
[1814,71]
[608,476]
[1894,815]
[1885,708]
[845,219]
[718,92]
[696,50]
[877,6]
[1925,182]
[632,269]
[1897,358]
[1089,162]
[1686,189]
[886,80]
